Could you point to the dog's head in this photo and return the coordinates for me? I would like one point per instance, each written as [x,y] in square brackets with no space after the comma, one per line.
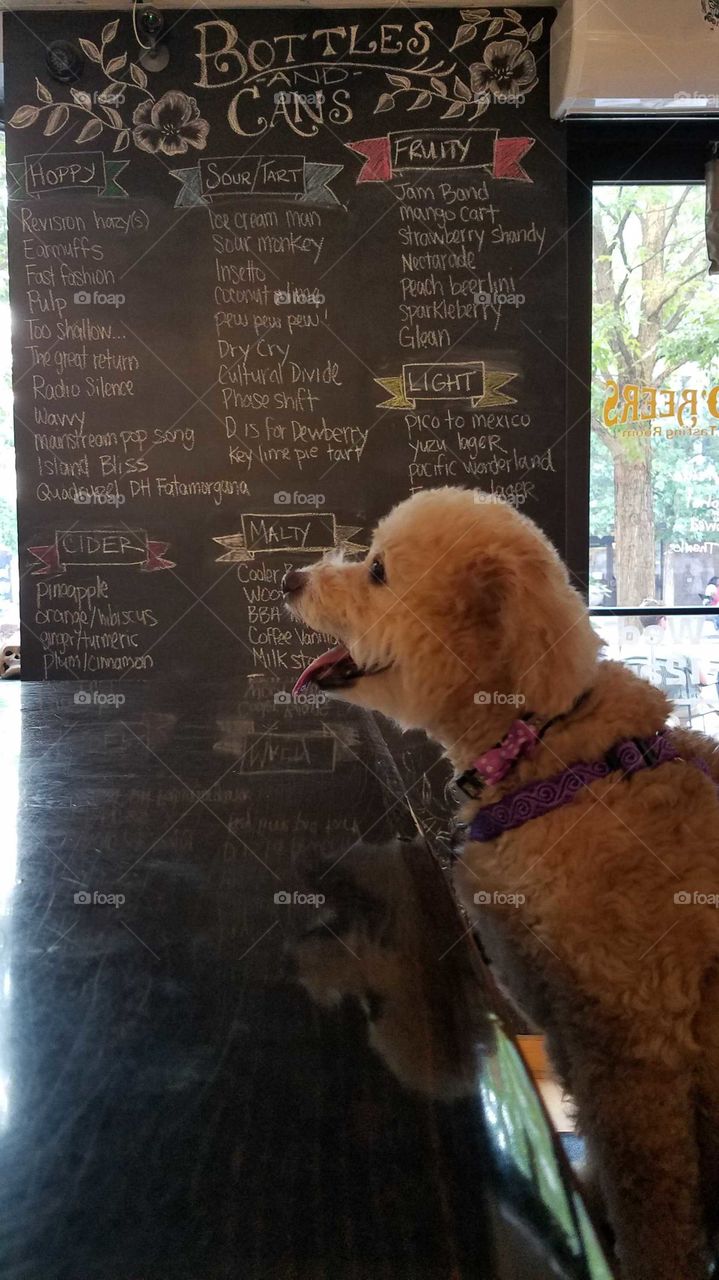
[460,610]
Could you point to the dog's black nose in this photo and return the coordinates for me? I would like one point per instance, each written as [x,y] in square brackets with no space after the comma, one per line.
[293,581]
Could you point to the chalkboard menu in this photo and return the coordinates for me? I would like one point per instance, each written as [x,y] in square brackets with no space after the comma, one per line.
[315,263]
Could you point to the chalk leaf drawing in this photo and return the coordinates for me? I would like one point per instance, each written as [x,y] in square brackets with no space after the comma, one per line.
[167,125]
[505,74]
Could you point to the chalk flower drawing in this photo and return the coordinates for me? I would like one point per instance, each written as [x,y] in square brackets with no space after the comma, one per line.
[167,125]
[508,68]
[170,125]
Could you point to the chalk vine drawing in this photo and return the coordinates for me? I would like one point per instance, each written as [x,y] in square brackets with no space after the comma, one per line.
[169,125]
[506,73]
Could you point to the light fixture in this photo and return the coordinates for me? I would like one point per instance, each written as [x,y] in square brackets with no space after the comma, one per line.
[148,24]
[64,62]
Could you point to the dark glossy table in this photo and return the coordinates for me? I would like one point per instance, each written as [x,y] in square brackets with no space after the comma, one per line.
[244,1032]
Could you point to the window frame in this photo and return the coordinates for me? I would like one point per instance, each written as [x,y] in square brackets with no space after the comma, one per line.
[602,151]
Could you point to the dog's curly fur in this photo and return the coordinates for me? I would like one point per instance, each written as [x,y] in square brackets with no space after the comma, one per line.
[622,977]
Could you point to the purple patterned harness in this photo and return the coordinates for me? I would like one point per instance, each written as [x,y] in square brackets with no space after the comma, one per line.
[537,798]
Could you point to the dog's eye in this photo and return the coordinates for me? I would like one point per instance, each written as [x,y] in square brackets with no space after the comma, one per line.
[376,571]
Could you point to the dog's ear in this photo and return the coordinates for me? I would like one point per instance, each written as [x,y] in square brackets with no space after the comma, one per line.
[486,586]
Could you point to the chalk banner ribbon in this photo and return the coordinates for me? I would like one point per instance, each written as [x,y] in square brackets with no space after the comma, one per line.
[62,172]
[282,176]
[284,752]
[288,753]
[269,751]
[458,380]
[437,149]
[290,534]
[100,548]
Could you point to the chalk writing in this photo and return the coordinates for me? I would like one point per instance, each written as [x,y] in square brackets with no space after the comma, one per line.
[340,285]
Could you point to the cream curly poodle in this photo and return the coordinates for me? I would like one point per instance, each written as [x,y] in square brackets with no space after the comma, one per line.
[592,858]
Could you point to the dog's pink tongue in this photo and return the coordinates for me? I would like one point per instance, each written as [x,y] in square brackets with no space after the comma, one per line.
[324,663]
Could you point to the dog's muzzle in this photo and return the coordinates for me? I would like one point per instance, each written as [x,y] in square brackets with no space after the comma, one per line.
[335,669]
[293,581]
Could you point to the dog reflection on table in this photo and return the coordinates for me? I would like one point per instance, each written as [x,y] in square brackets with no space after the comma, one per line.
[377,942]
[460,621]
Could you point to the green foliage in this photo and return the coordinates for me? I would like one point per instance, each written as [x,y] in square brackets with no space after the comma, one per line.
[601,491]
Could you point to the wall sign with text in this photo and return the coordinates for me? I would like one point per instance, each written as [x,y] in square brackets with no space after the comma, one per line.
[314,264]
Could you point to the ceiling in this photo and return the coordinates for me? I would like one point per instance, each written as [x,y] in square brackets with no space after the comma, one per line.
[253,4]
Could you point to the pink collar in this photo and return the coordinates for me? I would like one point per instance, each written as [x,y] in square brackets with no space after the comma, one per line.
[521,739]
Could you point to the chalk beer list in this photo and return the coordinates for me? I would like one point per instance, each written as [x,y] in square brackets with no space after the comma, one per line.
[312,266]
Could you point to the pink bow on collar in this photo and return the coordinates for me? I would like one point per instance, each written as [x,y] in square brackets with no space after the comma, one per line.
[495,764]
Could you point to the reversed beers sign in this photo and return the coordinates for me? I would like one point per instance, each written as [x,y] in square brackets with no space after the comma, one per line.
[632,409]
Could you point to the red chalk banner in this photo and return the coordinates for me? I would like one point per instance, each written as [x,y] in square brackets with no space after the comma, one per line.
[438,149]
[101,547]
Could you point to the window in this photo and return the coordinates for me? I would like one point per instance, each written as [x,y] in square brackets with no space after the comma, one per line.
[652,576]
[654,473]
